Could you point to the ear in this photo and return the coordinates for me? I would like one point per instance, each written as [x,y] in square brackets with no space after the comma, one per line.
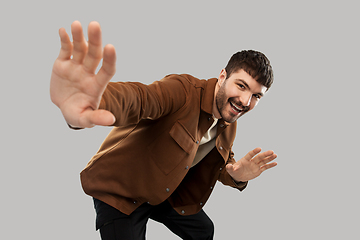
[222,77]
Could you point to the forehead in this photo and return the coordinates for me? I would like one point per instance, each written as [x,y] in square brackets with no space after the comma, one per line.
[243,77]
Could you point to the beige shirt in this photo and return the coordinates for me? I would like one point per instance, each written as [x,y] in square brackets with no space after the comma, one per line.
[207,143]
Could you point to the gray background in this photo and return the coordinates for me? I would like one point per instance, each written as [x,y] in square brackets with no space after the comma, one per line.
[309,117]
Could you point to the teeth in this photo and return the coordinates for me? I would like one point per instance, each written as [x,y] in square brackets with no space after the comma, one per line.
[236,107]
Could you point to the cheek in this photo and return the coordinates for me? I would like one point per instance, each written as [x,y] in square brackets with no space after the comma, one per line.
[253,104]
[233,93]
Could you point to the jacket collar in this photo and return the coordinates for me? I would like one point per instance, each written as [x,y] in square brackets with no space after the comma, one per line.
[208,96]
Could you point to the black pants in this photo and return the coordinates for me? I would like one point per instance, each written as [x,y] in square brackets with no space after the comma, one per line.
[115,225]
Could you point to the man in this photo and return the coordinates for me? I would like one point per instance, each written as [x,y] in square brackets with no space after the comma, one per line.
[171,139]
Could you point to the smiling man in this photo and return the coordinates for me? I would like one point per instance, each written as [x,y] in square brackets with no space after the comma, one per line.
[171,140]
[238,92]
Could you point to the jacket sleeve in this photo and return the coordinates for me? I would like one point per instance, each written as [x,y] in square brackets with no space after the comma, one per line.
[226,179]
[131,102]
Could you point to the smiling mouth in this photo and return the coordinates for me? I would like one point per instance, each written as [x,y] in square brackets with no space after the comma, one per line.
[236,108]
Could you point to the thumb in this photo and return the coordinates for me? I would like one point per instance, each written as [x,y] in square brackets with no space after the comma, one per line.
[230,168]
[90,118]
[102,117]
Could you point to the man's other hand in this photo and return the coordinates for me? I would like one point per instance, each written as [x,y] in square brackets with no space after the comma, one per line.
[252,165]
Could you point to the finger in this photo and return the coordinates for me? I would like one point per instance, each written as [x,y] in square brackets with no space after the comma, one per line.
[95,51]
[268,166]
[108,67]
[268,159]
[252,153]
[90,118]
[66,45]
[79,42]
[259,158]
[230,169]
[102,117]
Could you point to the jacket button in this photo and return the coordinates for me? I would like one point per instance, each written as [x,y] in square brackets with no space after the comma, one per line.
[201,204]
[220,168]
[182,212]
[221,125]
[211,188]
[209,119]
[135,202]
[167,190]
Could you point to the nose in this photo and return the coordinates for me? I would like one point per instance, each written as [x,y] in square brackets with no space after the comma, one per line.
[246,100]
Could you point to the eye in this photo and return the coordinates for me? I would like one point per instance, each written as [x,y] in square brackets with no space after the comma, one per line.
[241,86]
[257,96]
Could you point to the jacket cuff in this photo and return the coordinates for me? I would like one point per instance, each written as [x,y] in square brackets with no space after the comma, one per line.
[74,128]
[240,185]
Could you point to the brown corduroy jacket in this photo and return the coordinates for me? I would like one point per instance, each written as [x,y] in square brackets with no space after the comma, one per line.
[147,155]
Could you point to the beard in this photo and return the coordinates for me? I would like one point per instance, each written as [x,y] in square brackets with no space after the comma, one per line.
[226,108]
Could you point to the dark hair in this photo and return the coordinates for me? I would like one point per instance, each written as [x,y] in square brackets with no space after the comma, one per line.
[256,64]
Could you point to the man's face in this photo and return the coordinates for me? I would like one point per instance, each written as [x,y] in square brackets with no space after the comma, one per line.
[236,95]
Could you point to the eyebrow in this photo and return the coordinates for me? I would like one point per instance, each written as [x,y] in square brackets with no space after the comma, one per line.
[247,86]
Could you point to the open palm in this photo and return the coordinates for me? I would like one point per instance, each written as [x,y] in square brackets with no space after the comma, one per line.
[75,87]
[251,165]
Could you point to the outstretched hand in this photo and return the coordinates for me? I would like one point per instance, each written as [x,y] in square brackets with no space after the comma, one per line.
[252,165]
[75,87]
